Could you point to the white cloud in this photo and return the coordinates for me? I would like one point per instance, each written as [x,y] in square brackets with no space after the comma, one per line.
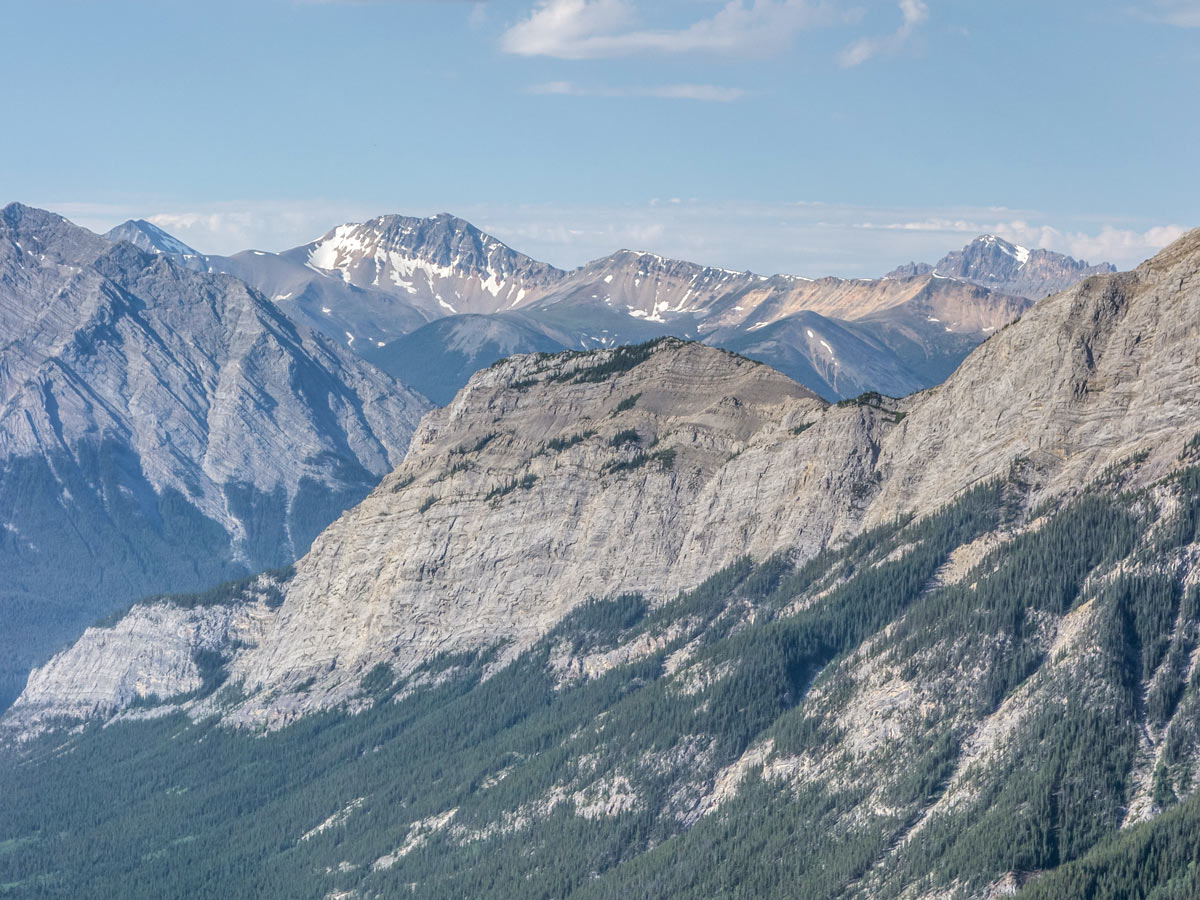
[914,12]
[706,92]
[597,29]
[1184,13]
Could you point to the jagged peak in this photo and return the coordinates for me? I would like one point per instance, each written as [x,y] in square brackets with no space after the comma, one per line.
[51,234]
[19,216]
[416,236]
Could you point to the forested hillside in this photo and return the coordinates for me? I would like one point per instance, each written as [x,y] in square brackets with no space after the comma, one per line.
[961,702]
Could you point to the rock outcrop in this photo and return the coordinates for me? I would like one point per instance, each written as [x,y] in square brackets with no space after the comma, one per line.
[157,652]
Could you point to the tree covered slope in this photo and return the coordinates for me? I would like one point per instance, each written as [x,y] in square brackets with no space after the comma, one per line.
[956,703]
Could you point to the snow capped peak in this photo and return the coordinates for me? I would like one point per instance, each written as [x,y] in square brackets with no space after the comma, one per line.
[148,236]
[1016,251]
[442,263]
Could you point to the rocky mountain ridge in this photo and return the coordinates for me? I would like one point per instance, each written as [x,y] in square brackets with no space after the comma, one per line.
[669,448]
[386,287]
[162,427]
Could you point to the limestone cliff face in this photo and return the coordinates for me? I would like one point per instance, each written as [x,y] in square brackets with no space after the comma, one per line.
[550,480]
[157,652]
[1087,378]
[430,563]
[538,488]
[161,429]
[200,376]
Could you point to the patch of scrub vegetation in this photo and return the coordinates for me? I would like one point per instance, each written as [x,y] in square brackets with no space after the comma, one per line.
[627,404]
[664,458]
[523,483]
[878,402]
[559,444]
[477,446]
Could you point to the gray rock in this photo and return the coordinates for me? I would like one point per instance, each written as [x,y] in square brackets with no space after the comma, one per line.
[430,564]
[997,264]
[162,428]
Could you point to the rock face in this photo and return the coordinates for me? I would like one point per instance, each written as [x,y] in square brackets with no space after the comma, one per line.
[546,482]
[158,651]
[550,480]
[1087,378]
[162,428]
[996,264]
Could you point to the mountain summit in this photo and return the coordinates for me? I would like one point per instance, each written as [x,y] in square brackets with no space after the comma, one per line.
[442,265]
[995,263]
[149,237]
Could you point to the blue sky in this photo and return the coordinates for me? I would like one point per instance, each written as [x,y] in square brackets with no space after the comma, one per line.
[807,136]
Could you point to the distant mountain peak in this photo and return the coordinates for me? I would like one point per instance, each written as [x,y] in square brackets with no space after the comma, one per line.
[1016,251]
[148,236]
[19,218]
[443,263]
[44,232]
[996,263]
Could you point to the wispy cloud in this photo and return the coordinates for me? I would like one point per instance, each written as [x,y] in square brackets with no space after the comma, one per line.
[706,92]
[1183,13]
[597,29]
[804,238]
[914,12]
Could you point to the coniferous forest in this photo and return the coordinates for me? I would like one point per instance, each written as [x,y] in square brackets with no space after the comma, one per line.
[714,762]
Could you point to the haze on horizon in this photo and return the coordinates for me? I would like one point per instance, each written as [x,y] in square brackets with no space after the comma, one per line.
[776,135]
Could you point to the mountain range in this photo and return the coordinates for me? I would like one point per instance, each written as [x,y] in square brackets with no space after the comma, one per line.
[151,391]
[658,620]
[410,295]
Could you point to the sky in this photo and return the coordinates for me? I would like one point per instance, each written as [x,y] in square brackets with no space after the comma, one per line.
[810,137]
